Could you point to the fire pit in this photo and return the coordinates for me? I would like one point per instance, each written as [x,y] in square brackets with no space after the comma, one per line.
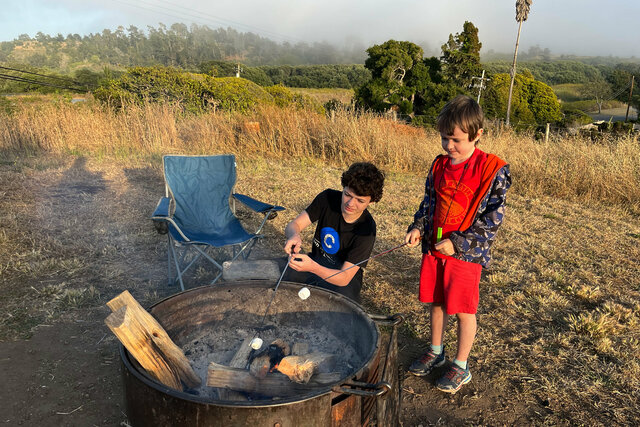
[211,323]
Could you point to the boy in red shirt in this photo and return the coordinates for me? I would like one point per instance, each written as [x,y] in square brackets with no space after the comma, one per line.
[457,221]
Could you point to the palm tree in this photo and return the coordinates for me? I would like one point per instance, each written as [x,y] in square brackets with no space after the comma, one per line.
[522,13]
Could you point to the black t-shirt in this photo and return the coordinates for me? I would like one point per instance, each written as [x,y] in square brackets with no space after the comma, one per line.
[336,241]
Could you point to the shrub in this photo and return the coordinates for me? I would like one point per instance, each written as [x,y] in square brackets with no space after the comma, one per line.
[532,101]
[574,117]
[193,92]
[283,97]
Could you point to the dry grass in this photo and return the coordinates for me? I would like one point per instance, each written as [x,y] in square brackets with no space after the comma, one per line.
[567,167]
[559,320]
[323,96]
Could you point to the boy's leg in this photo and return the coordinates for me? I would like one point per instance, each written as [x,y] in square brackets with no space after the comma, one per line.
[433,358]
[462,293]
[458,373]
[467,327]
[431,292]
[439,319]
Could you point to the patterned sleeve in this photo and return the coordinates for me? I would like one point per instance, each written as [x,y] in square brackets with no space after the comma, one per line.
[474,244]
[423,217]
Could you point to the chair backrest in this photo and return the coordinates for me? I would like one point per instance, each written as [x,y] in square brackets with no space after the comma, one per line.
[200,187]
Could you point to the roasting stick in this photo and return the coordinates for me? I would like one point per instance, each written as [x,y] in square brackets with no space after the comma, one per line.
[256,342]
[361,262]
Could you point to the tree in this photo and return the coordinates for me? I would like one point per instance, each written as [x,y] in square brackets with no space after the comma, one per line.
[391,65]
[461,56]
[598,89]
[533,102]
[522,13]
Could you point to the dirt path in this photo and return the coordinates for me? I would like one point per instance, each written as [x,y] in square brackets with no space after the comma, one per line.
[67,372]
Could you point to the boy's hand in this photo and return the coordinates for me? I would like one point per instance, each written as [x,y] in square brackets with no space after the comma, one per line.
[445,247]
[302,262]
[412,238]
[293,245]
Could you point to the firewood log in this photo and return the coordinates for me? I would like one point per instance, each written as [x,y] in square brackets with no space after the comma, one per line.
[301,368]
[273,384]
[153,331]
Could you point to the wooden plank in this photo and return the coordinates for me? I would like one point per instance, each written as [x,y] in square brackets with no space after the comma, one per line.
[273,384]
[301,368]
[241,358]
[171,353]
[138,342]
[263,269]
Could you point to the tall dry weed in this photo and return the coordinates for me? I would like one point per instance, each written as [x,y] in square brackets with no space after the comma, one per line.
[571,167]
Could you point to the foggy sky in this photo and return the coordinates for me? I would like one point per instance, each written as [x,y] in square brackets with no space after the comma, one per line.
[579,27]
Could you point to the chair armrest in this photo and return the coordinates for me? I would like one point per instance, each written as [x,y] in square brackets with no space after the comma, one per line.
[162,209]
[255,205]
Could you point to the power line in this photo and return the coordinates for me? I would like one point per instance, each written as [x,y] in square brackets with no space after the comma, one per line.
[36,82]
[41,75]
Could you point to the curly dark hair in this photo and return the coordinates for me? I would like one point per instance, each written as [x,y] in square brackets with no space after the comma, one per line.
[365,179]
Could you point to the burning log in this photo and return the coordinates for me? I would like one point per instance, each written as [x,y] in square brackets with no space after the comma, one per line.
[301,368]
[264,361]
[273,384]
[149,344]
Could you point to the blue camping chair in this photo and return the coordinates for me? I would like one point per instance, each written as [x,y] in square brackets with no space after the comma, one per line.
[196,214]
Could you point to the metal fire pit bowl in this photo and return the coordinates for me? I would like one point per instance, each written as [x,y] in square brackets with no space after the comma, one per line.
[233,311]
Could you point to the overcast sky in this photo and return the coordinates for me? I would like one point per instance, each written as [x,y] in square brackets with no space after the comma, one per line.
[580,27]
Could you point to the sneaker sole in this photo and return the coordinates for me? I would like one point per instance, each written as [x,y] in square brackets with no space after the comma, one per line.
[455,390]
[424,373]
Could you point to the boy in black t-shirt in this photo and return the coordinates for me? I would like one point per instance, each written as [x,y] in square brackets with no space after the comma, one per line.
[344,235]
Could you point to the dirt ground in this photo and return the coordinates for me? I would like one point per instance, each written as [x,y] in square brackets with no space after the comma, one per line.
[68,371]
[89,238]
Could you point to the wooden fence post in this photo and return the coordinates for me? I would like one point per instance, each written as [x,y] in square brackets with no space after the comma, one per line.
[546,134]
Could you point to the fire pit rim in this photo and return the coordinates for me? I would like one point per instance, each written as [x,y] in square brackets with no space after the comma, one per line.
[315,393]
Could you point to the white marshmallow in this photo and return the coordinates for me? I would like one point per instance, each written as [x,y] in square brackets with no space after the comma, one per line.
[304,293]
[256,343]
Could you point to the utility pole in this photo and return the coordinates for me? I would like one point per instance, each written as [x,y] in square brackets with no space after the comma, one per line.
[480,85]
[629,101]
[238,70]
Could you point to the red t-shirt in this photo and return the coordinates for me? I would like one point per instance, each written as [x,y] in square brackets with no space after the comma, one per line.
[455,187]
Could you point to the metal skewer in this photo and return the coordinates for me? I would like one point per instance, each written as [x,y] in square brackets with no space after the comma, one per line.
[361,262]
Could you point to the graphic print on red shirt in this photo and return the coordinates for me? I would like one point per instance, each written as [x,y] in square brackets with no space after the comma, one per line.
[455,187]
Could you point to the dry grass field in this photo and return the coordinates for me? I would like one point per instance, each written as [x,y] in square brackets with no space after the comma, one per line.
[559,317]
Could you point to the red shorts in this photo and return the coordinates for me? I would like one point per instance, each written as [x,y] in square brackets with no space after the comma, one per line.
[450,282]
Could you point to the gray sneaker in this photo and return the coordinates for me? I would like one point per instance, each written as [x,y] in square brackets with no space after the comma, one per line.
[427,362]
[454,379]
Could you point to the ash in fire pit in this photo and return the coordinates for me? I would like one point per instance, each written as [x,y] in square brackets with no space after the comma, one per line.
[216,346]
[214,326]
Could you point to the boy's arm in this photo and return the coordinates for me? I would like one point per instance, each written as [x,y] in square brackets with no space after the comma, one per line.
[474,243]
[427,206]
[292,232]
